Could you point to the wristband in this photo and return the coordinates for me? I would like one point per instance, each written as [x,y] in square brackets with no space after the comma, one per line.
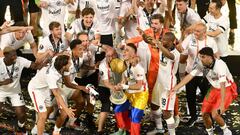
[125,87]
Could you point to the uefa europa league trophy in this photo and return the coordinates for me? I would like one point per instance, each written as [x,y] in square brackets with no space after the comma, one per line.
[118,66]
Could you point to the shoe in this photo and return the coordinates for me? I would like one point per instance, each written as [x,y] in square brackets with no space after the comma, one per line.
[231,38]
[21,130]
[177,121]
[227,132]
[210,131]
[191,122]
[120,132]
[34,131]
[155,131]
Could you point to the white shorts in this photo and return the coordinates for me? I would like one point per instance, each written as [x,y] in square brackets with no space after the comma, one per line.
[15,98]
[160,97]
[41,98]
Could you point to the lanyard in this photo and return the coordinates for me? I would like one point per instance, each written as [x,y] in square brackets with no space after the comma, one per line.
[10,74]
[55,46]
[76,63]
[205,43]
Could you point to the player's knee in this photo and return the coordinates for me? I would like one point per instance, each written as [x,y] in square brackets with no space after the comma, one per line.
[214,114]
[63,114]
[205,116]
[42,116]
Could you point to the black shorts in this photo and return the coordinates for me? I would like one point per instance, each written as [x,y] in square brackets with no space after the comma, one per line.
[104,94]
[91,79]
[32,7]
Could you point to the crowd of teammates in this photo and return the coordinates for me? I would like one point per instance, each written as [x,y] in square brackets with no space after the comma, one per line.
[80,39]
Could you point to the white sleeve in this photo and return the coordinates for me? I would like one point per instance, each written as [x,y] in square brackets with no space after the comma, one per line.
[213,45]
[185,45]
[42,48]
[5,41]
[52,81]
[224,25]
[195,72]
[139,73]
[195,17]
[25,62]
[103,72]
[176,55]
[206,18]
[123,9]
[221,72]
[30,38]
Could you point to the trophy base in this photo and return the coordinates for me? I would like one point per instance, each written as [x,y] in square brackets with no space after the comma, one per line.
[118,101]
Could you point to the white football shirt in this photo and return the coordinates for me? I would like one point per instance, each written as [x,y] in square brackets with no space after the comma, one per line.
[223,24]
[16,71]
[9,39]
[219,73]
[191,47]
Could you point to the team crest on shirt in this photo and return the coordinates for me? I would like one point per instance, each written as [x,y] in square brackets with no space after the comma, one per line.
[214,76]
[101,73]
[163,60]
[193,42]
[58,3]
[91,32]
[41,47]
[40,107]
[16,69]
[62,47]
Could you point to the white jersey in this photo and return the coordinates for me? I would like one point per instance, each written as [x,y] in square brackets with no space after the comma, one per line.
[225,10]
[131,25]
[223,24]
[143,18]
[46,44]
[166,80]
[167,70]
[77,27]
[105,73]
[105,15]
[54,12]
[9,39]
[46,78]
[74,68]
[219,73]
[144,53]
[89,59]
[191,47]
[13,71]
[134,74]
[189,18]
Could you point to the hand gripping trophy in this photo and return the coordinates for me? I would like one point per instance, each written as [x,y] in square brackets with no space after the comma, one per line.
[118,66]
